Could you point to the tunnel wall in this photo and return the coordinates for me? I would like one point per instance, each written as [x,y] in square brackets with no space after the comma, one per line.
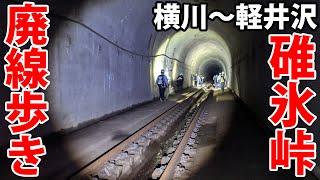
[89,76]
[74,100]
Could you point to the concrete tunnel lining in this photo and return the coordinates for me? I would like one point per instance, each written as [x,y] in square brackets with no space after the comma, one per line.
[77,56]
[91,78]
[87,73]
[74,48]
[193,49]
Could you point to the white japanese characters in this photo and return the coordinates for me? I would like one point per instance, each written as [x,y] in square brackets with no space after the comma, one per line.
[173,15]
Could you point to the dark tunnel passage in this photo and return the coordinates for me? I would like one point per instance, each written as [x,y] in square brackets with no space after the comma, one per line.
[211,69]
[105,57]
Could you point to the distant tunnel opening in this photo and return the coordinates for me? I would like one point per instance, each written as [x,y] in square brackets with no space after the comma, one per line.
[212,68]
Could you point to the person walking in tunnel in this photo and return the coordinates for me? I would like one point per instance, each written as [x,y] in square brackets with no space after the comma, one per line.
[180,82]
[222,81]
[195,82]
[215,81]
[162,82]
[198,80]
[219,81]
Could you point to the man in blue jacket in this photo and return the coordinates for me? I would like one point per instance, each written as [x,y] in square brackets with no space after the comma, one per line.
[162,82]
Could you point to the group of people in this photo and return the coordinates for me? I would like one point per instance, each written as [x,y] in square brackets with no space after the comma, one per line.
[163,83]
[198,80]
[219,81]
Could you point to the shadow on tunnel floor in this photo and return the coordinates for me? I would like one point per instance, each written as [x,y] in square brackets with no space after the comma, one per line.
[242,153]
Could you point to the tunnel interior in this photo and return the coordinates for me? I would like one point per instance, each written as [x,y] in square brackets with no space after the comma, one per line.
[211,69]
[106,55]
[192,53]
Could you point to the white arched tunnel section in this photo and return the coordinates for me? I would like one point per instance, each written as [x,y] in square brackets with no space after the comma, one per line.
[190,52]
[206,53]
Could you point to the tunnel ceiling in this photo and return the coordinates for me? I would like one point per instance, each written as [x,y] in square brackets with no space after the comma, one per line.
[106,38]
[222,43]
[195,48]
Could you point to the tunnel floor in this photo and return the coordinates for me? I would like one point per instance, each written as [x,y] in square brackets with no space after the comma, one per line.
[68,153]
[86,144]
[236,148]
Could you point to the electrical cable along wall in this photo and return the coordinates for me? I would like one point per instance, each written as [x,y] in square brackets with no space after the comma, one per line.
[100,60]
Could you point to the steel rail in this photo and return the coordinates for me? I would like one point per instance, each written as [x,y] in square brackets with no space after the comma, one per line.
[175,159]
[98,163]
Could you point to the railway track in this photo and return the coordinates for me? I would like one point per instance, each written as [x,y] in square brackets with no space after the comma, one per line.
[130,155]
[175,161]
[166,148]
